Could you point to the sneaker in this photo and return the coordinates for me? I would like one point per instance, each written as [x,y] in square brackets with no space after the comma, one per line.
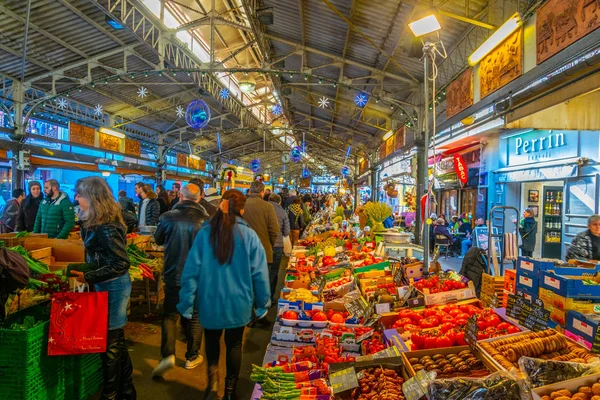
[163,366]
[191,364]
[461,257]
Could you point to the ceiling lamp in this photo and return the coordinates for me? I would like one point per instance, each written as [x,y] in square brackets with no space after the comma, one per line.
[507,29]
[424,26]
[247,84]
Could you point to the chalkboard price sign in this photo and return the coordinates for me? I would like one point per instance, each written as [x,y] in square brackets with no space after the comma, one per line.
[471,331]
[514,305]
[357,307]
[596,343]
[531,316]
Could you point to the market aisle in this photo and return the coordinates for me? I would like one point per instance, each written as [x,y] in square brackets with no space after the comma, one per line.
[144,342]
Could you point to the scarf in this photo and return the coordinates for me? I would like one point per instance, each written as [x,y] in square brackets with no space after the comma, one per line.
[296,209]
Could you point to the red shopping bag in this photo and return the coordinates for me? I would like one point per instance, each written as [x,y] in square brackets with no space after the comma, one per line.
[78,323]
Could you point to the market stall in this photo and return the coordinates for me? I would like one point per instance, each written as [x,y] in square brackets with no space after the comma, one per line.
[354,322]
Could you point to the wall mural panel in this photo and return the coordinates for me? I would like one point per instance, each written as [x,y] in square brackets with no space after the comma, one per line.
[502,65]
[459,94]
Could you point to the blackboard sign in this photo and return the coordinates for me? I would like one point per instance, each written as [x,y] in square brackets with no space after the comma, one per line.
[343,380]
[319,282]
[489,301]
[531,316]
[357,307]
[596,343]
[471,331]
[398,274]
[514,305]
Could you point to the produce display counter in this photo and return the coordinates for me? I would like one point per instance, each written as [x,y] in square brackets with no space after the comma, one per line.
[357,321]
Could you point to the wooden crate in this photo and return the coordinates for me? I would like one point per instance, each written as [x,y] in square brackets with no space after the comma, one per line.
[38,254]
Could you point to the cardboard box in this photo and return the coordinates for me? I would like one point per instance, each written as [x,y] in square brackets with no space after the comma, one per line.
[528,295]
[571,385]
[527,284]
[453,295]
[510,281]
[489,364]
[532,268]
[583,305]
[584,325]
[568,282]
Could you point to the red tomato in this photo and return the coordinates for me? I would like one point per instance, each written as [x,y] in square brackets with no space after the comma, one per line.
[416,318]
[431,342]
[482,335]
[319,316]
[461,315]
[402,322]
[454,312]
[429,322]
[449,307]
[447,318]
[290,315]
[418,339]
[459,338]
[411,327]
[406,313]
[513,329]
[446,327]
[460,321]
[430,312]
[443,341]
[493,320]
[502,326]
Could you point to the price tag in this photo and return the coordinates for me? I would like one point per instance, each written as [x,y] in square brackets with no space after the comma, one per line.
[471,331]
[343,380]
[534,317]
[357,307]
[489,301]
[382,308]
[416,387]
[513,306]
[596,342]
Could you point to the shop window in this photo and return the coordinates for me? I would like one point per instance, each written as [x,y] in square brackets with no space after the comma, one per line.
[449,206]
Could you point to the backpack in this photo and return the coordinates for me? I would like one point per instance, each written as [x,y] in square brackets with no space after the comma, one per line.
[14,274]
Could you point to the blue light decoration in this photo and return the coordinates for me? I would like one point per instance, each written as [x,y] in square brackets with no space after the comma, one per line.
[219,141]
[296,154]
[276,110]
[255,165]
[345,170]
[305,173]
[361,100]
[224,93]
[197,114]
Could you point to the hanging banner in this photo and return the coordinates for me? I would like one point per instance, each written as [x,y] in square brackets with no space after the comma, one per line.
[400,138]
[460,166]
[182,160]
[81,134]
[132,147]
[109,142]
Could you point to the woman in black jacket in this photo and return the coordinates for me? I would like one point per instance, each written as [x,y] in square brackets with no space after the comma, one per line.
[528,231]
[29,208]
[149,207]
[103,234]
[163,199]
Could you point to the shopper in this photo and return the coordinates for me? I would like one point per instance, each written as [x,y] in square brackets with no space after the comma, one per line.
[29,207]
[528,231]
[176,187]
[284,224]
[307,209]
[125,202]
[261,217]
[267,195]
[586,245]
[55,216]
[441,229]
[10,215]
[149,207]
[296,218]
[226,277]
[177,230]
[211,195]
[164,202]
[138,190]
[103,235]
[466,244]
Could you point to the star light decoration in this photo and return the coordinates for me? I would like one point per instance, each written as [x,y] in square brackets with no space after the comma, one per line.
[224,93]
[276,109]
[179,111]
[361,100]
[98,110]
[323,102]
[62,103]
[142,92]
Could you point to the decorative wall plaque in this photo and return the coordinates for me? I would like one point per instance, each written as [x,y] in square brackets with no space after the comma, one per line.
[81,134]
[389,145]
[502,65]
[109,142]
[561,23]
[182,160]
[132,147]
[193,163]
[382,151]
[459,94]
[400,138]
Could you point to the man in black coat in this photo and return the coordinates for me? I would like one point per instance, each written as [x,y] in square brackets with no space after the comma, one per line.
[177,230]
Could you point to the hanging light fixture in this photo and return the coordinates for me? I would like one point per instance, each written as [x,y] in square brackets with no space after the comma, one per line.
[424,26]
[247,84]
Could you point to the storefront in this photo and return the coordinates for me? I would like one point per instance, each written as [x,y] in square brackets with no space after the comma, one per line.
[553,172]
[455,195]
[398,186]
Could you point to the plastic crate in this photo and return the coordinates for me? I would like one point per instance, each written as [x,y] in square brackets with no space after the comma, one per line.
[84,376]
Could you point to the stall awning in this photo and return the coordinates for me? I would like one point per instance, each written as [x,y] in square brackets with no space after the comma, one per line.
[552,170]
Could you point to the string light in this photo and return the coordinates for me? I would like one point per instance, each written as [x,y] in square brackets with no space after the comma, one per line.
[132,75]
[118,78]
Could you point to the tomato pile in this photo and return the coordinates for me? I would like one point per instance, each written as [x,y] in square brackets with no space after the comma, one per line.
[337,283]
[339,330]
[445,325]
[370,259]
[436,286]
[373,346]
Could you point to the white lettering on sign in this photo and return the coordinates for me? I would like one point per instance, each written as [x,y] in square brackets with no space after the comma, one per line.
[553,140]
[552,282]
[583,327]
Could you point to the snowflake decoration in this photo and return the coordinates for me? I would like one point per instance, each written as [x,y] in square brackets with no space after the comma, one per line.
[142,92]
[62,103]
[224,93]
[276,109]
[323,102]
[179,111]
[361,100]
[98,110]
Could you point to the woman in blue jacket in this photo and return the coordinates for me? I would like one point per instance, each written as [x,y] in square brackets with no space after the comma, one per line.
[226,276]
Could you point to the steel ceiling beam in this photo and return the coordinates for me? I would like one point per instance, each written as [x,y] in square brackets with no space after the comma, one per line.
[204,21]
[337,58]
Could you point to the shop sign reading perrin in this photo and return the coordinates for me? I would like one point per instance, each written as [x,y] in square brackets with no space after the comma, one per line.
[541,145]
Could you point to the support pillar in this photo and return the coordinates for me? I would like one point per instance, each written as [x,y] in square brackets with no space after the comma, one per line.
[18,176]
[162,160]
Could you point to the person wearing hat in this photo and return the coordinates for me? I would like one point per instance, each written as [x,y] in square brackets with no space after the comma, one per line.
[29,208]
[212,196]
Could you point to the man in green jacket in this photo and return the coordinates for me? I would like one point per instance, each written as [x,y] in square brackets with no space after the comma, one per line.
[55,215]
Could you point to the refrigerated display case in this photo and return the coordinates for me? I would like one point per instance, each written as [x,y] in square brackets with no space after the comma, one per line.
[552,222]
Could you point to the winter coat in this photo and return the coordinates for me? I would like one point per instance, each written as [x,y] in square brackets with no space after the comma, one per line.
[163,207]
[261,217]
[296,219]
[177,230]
[10,215]
[28,212]
[210,208]
[226,294]
[528,232]
[152,212]
[443,230]
[55,217]
[127,204]
[473,266]
[284,223]
[106,248]
[581,247]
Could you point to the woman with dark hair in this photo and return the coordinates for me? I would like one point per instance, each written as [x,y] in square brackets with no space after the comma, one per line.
[149,207]
[528,231]
[103,235]
[226,278]
[163,199]
[29,209]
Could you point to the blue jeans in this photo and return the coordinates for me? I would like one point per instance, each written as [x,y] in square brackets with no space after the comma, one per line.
[465,245]
[119,290]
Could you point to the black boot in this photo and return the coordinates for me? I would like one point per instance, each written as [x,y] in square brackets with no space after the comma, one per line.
[230,386]
[127,389]
[212,390]
[111,366]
